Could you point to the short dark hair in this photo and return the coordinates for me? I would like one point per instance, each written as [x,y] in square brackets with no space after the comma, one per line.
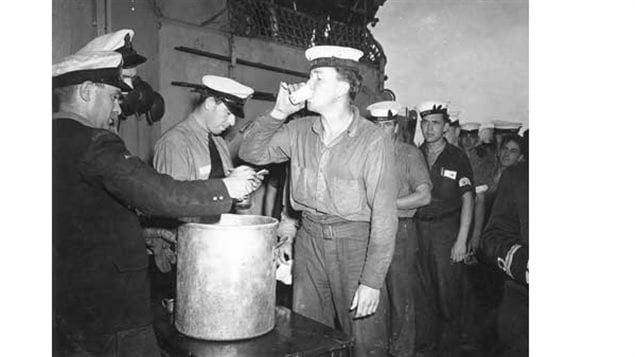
[63,95]
[201,100]
[516,139]
[354,79]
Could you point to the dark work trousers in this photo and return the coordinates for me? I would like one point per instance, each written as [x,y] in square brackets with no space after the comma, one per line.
[135,342]
[482,295]
[439,319]
[513,321]
[327,268]
[399,282]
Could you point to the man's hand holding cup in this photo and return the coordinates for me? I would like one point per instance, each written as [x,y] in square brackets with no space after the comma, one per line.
[242,181]
[290,99]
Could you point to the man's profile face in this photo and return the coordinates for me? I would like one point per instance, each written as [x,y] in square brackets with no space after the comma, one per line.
[452,135]
[433,127]
[105,107]
[218,118]
[325,83]
[469,140]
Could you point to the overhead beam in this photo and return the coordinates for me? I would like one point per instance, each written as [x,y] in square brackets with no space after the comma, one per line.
[240,61]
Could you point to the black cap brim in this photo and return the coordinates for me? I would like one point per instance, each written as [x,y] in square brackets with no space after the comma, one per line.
[133,60]
[119,84]
[235,108]
[110,76]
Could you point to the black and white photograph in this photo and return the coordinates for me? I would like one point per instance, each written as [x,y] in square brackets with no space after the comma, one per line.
[321,178]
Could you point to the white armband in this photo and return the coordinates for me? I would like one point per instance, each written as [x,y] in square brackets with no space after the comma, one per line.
[481,188]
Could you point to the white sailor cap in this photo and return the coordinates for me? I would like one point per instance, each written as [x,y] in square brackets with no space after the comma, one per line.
[470,126]
[385,110]
[333,56]
[507,126]
[98,67]
[119,41]
[432,107]
[454,118]
[486,125]
[232,93]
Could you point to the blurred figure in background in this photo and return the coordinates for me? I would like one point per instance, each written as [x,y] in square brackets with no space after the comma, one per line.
[485,283]
[506,245]
[454,130]
[502,128]
[414,191]
[468,137]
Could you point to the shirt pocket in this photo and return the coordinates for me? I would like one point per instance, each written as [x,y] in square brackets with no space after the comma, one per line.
[448,189]
[347,195]
[301,183]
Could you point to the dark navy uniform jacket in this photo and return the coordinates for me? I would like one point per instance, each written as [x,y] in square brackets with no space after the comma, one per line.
[508,225]
[99,257]
[451,177]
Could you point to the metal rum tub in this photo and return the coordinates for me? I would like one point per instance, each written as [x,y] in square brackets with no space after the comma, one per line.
[225,278]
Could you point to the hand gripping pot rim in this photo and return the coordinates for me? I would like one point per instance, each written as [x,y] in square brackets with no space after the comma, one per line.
[300,95]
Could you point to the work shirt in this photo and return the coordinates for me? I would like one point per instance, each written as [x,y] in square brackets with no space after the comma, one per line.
[483,161]
[412,172]
[99,255]
[354,177]
[451,177]
[183,152]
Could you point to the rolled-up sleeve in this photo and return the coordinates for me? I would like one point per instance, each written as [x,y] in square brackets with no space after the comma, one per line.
[267,140]
[381,184]
[418,173]
[108,163]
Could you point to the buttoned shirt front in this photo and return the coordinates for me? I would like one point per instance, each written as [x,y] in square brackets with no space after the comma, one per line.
[183,152]
[353,177]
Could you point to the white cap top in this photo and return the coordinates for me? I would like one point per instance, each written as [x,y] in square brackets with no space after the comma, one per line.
[87,61]
[227,86]
[507,125]
[470,126]
[97,67]
[486,125]
[120,41]
[108,42]
[345,53]
[430,104]
[381,109]
[454,117]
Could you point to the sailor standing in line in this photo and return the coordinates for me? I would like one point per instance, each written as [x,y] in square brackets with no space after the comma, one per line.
[443,228]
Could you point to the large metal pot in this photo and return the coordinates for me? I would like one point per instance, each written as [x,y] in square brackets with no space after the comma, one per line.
[226,278]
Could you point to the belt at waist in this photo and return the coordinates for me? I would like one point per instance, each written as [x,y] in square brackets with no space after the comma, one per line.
[439,216]
[324,218]
[330,227]
[405,219]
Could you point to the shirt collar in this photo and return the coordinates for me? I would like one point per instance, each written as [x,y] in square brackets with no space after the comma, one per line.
[194,124]
[73,116]
[352,129]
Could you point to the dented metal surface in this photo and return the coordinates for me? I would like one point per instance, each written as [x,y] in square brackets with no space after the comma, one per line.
[226,278]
